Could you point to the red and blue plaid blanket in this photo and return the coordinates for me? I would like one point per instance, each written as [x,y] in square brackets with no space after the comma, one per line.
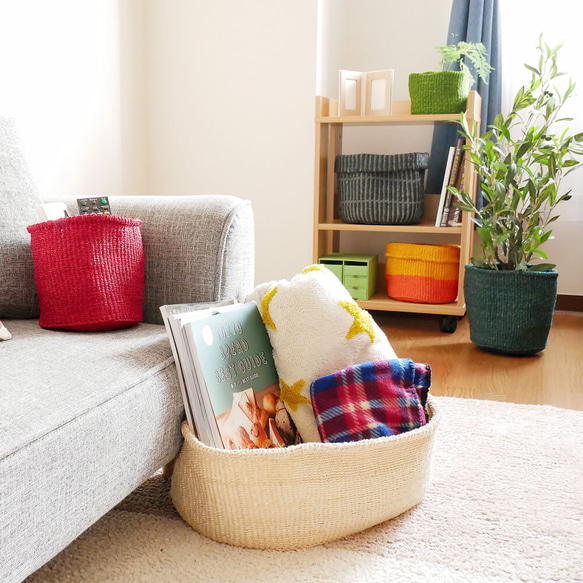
[370,400]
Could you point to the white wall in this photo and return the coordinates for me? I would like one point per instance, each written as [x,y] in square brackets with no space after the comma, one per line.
[60,69]
[231,110]
[367,35]
[133,96]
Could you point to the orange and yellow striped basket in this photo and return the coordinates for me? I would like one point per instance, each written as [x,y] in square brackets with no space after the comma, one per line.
[420,273]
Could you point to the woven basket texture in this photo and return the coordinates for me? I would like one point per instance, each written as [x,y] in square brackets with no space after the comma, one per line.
[510,311]
[438,92]
[381,189]
[303,495]
[89,272]
[422,273]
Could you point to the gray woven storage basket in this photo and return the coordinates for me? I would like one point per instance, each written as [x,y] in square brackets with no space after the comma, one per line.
[381,189]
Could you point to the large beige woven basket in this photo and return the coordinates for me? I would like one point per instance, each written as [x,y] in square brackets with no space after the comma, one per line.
[302,495]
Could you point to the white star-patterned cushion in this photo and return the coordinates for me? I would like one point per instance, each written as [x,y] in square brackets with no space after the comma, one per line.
[315,328]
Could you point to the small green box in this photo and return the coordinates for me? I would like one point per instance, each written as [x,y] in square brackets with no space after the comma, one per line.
[334,264]
[358,273]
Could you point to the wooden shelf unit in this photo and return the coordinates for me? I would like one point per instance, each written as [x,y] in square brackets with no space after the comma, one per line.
[327,224]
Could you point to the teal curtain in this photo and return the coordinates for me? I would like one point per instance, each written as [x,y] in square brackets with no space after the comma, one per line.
[470,21]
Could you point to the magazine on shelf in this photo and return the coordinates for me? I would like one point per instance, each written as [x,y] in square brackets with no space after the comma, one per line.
[445,184]
[456,217]
[231,386]
[453,180]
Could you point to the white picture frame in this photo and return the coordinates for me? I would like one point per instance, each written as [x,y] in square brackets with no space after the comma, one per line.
[350,89]
[378,92]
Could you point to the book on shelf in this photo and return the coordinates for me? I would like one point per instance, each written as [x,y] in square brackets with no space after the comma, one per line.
[456,218]
[446,176]
[229,382]
[452,180]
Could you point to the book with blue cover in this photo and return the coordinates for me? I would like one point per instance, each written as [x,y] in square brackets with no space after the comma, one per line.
[231,379]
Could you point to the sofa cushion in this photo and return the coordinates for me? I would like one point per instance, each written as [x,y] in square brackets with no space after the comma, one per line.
[66,374]
[85,418]
[19,200]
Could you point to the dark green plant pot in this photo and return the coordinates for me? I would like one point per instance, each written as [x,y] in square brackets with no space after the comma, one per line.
[441,92]
[510,311]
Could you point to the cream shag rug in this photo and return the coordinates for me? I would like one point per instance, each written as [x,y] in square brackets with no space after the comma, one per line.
[505,504]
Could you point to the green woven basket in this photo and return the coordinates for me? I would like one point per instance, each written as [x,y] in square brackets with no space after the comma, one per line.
[510,311]
[442,92]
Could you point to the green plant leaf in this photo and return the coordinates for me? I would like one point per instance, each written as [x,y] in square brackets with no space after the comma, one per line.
[570,163]
[485,235]
[475,53]
[510,174]
[518,99]
[504,130]
[523,149]
[541,267]
[476,160]
[477,262]
[552,164]
[535,71]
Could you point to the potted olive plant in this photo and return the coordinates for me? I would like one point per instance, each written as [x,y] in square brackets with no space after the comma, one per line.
[520,162]
[447,91]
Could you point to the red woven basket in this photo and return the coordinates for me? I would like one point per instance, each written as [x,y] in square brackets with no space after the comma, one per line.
[89,272]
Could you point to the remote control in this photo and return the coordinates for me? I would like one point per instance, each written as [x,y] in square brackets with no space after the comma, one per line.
[96,206]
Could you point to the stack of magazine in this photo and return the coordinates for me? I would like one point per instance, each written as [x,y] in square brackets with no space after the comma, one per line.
[227,376]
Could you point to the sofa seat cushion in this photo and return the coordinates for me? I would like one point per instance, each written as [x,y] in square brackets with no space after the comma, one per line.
[85,418]
[50,378]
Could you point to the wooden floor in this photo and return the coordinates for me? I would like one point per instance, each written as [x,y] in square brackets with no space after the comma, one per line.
[459,369]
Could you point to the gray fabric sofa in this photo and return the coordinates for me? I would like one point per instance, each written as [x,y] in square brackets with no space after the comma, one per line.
[86,417]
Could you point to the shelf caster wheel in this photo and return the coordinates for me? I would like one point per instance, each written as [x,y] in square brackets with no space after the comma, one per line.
[448,324]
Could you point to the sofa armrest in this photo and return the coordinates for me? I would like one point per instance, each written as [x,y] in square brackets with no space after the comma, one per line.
[197,248]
